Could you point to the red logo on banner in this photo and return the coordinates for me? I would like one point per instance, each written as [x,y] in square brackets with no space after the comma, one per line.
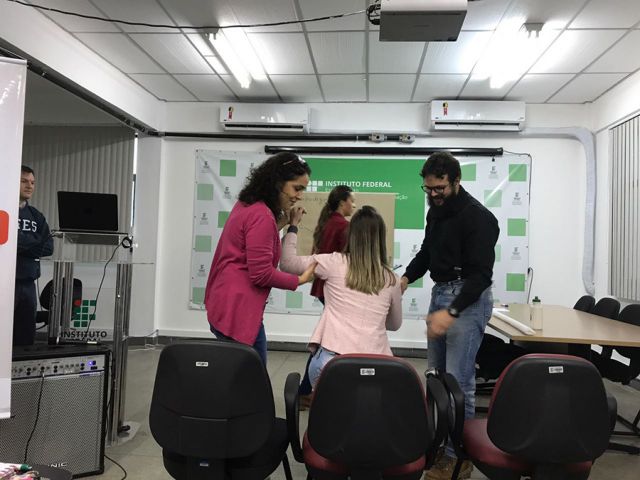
[445,108]
[4,227]
[230,114]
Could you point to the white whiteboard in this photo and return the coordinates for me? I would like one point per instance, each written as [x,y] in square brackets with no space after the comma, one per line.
[13,76]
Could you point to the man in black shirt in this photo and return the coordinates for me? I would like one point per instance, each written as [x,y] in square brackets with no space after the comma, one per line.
[34,241]
[459,251]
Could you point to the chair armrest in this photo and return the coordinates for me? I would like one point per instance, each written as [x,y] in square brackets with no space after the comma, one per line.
[291,402]
[613,411]
[438,410]
[456,413]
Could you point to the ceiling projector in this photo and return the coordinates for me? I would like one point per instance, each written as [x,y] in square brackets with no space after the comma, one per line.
[419,20]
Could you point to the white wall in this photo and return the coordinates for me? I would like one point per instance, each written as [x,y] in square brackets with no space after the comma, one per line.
[556,225]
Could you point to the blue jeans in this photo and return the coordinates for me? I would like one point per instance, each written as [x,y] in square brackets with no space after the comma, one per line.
[318,361]
[260,345]
[455,352]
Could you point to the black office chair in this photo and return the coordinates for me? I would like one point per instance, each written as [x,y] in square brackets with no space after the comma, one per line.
[617,371]
[42,316]
[212,412]
[606,307]
[585,303]
[369,419]
[555,433]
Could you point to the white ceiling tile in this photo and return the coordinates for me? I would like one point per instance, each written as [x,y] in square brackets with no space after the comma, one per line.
[393,57]
[120,51]
[258,91]
[608,14]
[282,53]
[438,86]
[198,12]
[344,88]
[480,89]
[455,57]
[573,50]
[297,88]
[173,51]
[554,14]
[165,87]
[484,15]
[538,87]
[622,57]
[78,24]
[315,8]
[391,88]
[338,52]
[207,88]
[143,11]
[259,11]
[586,87]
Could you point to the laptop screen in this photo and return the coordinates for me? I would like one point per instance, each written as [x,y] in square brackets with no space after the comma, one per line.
[90,212]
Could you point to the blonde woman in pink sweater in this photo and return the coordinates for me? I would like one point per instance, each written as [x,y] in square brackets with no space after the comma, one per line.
[362,294]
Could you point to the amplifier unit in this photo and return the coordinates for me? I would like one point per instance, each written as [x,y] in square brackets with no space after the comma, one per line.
[58,408]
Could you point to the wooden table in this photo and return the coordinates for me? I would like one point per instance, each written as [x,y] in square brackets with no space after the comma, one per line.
[568,326]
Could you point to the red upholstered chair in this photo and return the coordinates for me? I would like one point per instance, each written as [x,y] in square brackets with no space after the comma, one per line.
[369,419]
[549,418]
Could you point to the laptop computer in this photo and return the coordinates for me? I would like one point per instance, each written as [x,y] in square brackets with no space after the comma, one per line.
[86,212]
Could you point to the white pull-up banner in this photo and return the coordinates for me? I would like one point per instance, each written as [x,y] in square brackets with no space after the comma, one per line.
[13,77]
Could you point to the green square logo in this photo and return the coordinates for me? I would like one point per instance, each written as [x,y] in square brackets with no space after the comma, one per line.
[227,168]
[205,192]
[85,309]
[396,249]
[515,282]
[294,299]
[85,303]
[493,198]
[516,227]
[92,303]
[517,172]
[222,218]
[498,250]
[203,243]
[468,172]
[417,284]
[197,295]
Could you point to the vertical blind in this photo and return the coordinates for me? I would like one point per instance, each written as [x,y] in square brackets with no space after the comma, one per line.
[85,159]
[624,264]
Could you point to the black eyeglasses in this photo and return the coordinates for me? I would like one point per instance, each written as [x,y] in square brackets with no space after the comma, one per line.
[439,189]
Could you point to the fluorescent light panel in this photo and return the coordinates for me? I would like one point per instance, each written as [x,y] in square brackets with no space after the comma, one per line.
[236,51]
[230,58]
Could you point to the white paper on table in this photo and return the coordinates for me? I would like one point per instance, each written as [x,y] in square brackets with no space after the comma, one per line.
[513,322]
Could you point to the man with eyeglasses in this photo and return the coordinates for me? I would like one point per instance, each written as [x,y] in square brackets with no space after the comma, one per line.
[458,250]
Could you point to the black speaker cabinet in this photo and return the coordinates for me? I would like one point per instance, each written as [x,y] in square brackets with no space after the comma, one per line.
[59,399]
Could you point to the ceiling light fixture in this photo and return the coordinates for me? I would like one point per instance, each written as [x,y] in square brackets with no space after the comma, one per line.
[234,48]
[515,45]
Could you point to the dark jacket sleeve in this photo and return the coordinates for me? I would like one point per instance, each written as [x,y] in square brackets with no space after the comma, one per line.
[478,256]
[38,245]
[420,263]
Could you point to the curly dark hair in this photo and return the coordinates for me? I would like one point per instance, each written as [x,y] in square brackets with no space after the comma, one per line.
[265,181]
[440,164]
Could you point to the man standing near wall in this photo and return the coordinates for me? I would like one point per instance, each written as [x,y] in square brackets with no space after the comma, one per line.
[458,250]
[34,241]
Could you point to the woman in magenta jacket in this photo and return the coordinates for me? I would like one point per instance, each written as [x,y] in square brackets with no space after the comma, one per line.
[244,267]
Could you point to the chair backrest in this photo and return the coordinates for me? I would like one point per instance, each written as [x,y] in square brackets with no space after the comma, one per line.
[585,303]
[550,409]
[211,400]
[369,413]
[630,314]
[606,307]
[45,295]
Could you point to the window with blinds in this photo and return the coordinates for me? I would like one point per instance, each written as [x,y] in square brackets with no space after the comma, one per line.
[624,264]
[82,159]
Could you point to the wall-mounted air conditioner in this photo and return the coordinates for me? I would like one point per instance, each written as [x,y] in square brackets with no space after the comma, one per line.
[264,118]
[477,115]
